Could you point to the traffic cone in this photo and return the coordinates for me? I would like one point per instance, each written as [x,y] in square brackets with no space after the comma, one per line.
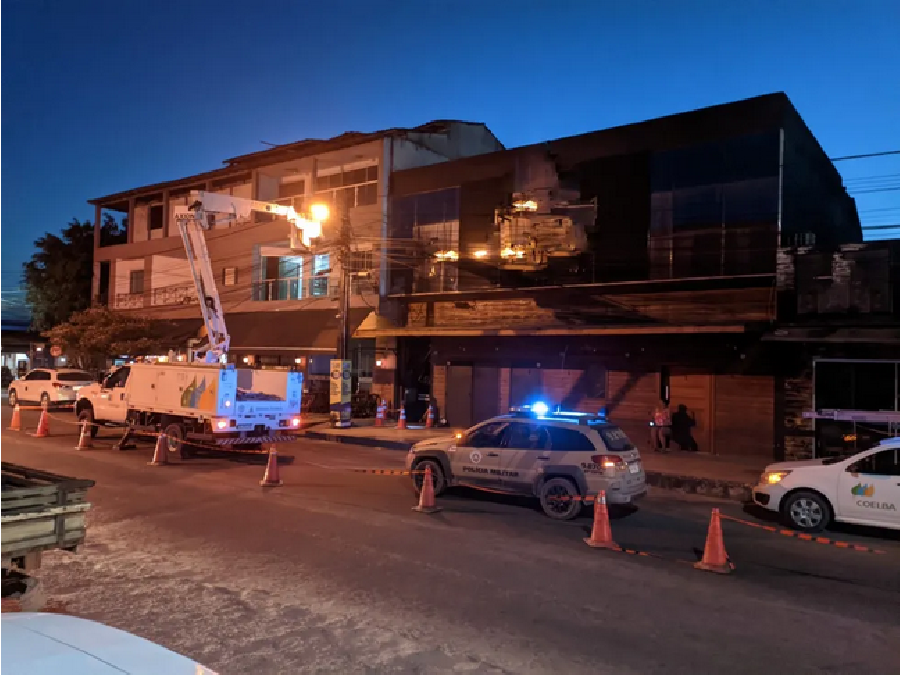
[271,477]
[715,559]
[429,418]
[16,423]
[84,439]
[43,428]
[401,423]
[426,496]
[161,452]
[379,415]
[601,534]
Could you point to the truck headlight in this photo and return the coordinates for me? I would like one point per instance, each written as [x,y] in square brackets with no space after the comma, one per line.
[772,477]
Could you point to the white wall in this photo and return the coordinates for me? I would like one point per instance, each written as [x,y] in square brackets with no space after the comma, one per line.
[169,271]
[141,222]
[123,269]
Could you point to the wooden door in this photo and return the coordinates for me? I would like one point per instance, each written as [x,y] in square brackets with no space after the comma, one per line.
[459,396]
[485,393]
[694,392]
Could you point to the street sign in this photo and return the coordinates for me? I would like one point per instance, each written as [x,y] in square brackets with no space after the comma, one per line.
[340,393]
[55,350]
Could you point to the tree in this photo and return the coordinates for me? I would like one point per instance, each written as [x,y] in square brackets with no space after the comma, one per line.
[91,336]
[58,276]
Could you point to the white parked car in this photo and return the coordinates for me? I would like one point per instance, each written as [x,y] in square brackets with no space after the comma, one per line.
[49,386]
[863,489]
[37,643]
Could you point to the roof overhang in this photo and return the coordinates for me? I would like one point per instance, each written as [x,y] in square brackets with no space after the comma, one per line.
[436,331]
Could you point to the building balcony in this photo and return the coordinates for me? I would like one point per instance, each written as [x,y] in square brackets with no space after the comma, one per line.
[129,301]
[272,290]
[177,294]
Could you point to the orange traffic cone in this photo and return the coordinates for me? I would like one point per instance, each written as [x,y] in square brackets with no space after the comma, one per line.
[43,428]
[160,452]
[84,439]
[429,418]
[714,557]
[401,423]
[379,415]
[601,534]
[16,423]
[426,496]
[271,477]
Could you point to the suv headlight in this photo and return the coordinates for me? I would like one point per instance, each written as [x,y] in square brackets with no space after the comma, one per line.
[772,477]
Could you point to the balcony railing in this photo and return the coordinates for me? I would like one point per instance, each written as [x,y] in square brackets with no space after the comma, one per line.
[129,300]
[177,294]
[270,290]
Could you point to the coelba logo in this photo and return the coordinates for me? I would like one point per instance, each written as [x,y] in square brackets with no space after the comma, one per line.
[861,490]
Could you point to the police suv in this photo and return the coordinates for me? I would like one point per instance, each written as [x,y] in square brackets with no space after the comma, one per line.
[863,489]
[560,458]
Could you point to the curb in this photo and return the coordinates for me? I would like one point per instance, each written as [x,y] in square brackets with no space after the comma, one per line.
[709,487]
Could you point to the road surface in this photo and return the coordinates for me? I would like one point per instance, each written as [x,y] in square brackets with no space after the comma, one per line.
[335,572]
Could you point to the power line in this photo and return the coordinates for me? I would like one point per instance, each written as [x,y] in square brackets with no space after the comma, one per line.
[870,154]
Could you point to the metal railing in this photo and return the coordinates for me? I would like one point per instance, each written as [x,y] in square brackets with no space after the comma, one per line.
[270,290]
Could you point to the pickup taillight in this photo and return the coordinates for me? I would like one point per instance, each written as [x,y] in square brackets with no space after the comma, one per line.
[609,461]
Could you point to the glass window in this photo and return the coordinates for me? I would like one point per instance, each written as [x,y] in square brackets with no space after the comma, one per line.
[292,189]
[367,194]
[486,436]
[569,440]
[321,263]
[74,376]
[372,173]
[884,463]
[354,177]
[37,375]
[524,436]
[136,282]
[347,198]
[118,378]
[321,183]
[229,276]
[613,437]
[156,217]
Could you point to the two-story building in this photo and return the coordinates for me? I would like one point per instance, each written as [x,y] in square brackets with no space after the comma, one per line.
[608,270]
[281,307]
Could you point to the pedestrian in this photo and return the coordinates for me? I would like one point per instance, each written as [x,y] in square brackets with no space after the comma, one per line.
[662,426]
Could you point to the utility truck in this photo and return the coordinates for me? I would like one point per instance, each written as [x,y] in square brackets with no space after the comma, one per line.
[207,402]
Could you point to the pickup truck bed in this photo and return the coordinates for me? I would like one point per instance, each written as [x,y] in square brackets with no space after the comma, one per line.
[41,511]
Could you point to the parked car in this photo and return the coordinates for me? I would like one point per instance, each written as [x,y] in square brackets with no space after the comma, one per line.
[37,643]
[560,458]
[49,386]
[863,489]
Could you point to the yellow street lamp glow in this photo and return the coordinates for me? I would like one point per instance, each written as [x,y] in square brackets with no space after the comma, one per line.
[480,254]
[319,212]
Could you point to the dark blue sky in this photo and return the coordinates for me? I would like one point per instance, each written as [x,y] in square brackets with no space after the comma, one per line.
[99,97]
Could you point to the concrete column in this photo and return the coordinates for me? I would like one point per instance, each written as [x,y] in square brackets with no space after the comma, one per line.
[129,231]
[98,212]
[148,281]
[166,224]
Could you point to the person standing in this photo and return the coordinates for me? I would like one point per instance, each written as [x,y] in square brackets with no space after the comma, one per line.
[662,425]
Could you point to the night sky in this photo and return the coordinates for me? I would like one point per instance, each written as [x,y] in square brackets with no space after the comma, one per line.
[99,97]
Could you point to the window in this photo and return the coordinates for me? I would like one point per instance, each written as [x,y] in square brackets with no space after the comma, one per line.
[614,438]
[229,276]
[156,217]
[321,263]
[486,436]
[295,188]
[569,440]
[361,261]
[37,375]
[884,463]
[136,282]
[524,436]
[117,379]
[348,189]
[366,195]
[74,376]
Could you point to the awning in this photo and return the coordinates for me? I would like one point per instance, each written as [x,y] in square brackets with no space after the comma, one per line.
[302,330]
[838,335]
[174,333]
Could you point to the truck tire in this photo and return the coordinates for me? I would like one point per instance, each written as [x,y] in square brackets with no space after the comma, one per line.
[560,498]
[175,436]
[87,415]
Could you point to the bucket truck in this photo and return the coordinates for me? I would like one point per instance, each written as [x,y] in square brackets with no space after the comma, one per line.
[207,402]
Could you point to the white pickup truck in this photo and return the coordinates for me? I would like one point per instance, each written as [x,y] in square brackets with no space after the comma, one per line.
[212,405]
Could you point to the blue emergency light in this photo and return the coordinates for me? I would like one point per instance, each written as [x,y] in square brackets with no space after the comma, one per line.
[540,408]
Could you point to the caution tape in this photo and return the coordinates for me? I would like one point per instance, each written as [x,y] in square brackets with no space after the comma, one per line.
[806,537]
[382,472]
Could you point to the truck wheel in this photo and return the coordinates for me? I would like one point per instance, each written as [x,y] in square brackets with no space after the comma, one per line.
[806,511]
[560,499]
[87,415]
[174,432]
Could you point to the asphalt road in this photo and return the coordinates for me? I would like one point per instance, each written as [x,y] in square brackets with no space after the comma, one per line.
[335,572]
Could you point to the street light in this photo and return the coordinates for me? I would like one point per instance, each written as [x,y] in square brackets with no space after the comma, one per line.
[319,212]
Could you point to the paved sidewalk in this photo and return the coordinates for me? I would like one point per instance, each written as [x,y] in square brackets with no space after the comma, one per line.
[689,472]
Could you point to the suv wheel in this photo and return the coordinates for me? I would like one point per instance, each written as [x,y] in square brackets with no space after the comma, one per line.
[560,499]
[13,398]
[45,401]
[806,511]
[437,476]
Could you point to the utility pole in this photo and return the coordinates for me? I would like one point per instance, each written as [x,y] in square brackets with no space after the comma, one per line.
[340,392]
